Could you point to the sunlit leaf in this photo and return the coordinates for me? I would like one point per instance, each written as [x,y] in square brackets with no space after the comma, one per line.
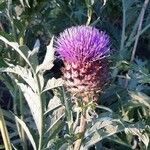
[53,104]
[105,127]
[25,73]
[53,83]
[15,46]
[27,131]
[141,98]
[35,48]
[32,55]
[27,2]
[22,3]
[49,58]
[142,136]
[33,101]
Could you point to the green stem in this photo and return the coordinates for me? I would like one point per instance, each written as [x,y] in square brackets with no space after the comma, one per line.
[139,29]
[15,109]
[123,28]
[142,13]
[9,13]
[89,12]
[4,132]
[82,129]
[42,111]
[22,133]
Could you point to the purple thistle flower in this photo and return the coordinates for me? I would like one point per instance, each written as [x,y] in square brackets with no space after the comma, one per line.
[83,50]
[82,43]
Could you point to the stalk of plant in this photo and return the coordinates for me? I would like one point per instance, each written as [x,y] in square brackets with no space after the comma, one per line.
[4,132]
[83,50]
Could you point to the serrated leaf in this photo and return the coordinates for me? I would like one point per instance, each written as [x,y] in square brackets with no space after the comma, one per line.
[107,128]
[140,98]
[64,146]
[22,3]
[56,119]
[32,55]
[56,123]
[24,49]
[25,73]
[27,2]
[104,2]
[33,101]
[35,48]
[41,79]
[53,83]
[27,131]
[142,136]
[53,104]
[15,46]
[49,58]
[101,123]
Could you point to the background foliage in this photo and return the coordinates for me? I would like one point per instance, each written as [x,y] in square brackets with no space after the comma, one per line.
[28,70]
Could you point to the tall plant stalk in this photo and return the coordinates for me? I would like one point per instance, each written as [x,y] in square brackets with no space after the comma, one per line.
[139,29]
[82,128]
[123,27]
[4,132]
[42,112]
[22,133]
[142,13]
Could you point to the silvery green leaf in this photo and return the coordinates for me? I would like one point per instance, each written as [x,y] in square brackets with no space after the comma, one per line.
[32,55]
[33,101]
[139,132]
[64,147]
[104,2]
[53,83]
[106,127]
[53,104]
[14,147]
[35,48]
[100,134]
[49,58]
[27,2]
[11,124]
[141,98]
[101,123]
[15,46]
[25,73]
[56,118]
[22,3]
[27,131]
[41,79]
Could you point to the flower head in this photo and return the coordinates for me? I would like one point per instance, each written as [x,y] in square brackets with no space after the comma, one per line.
[82,43]
[83,50]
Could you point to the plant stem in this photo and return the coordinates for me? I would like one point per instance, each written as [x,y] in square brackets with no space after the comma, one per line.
[82,128]
[123,28]
[139,29]
[4,132]
[89,12]
[41,128]
[42,110]
[137,35]
[9,14]
[22,133]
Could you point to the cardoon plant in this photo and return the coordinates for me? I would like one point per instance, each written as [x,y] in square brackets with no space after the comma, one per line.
[83,50]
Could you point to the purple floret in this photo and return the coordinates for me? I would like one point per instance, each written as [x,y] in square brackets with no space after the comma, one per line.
[82,43]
